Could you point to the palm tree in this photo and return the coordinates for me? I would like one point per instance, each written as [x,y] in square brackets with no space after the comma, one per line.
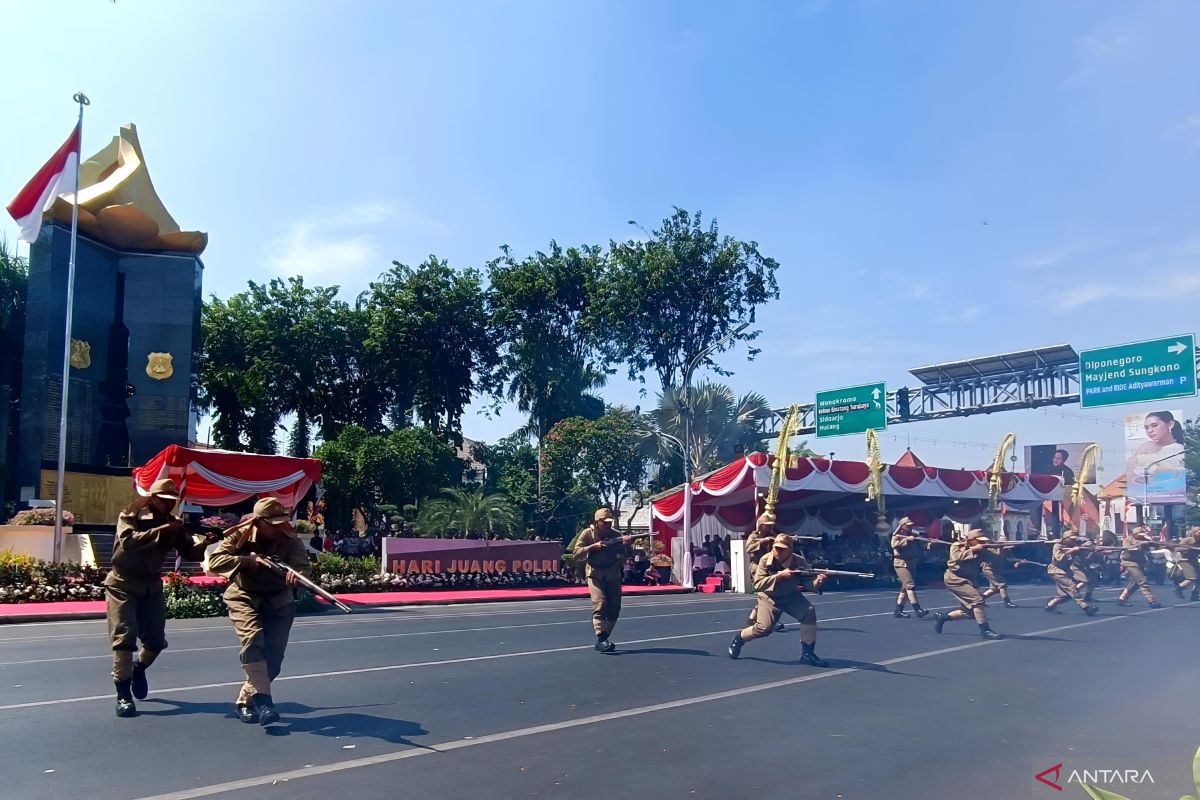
[721,423]
[469,512]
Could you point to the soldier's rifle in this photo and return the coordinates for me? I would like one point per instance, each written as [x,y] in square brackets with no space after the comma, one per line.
[284,569]
[620,539]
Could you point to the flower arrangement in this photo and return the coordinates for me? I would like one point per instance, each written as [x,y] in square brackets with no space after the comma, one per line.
[215,522]
[40,516]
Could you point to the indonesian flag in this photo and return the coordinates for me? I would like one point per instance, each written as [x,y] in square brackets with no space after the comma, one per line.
[55,178]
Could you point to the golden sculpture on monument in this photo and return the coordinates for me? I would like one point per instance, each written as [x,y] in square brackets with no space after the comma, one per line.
[118,204]
[81,354]
[159,366]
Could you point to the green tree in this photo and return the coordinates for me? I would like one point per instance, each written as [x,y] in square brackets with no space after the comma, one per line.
[1191,457]
[722,424]
[603,458]
[662,302]
[430,331]
[541,307]
[511,467]
[14,277]
[469,512]
[362,470]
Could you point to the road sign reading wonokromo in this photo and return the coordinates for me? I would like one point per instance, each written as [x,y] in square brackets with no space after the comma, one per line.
[852,410]
[1138,372]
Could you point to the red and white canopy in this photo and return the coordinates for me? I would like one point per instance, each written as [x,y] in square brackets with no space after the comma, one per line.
[822,496]
[222,477]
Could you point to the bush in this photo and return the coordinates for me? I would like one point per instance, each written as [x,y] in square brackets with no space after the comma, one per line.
[40,516]
[331,565]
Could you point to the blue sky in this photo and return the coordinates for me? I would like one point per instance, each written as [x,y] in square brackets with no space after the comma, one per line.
[939,180]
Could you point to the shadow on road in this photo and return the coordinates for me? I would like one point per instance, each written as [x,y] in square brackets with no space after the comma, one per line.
[674,651]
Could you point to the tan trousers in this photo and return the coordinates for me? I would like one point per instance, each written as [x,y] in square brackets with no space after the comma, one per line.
[967,595]
[996,582]
[1136,578]
[768,612]
[1067,589]
[604,586]
[135,612]
[1190,576]
[263,625]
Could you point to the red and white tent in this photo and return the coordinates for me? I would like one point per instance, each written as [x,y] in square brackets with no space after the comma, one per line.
[822,496]
[222,477]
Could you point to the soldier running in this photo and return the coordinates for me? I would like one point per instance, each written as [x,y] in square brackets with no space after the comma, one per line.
[1135,551]
[1063,561]
[133,589]
[1189,564]
[604,560]
[994,562]
[777,580]
[906,554]
[962,570]
[261,601]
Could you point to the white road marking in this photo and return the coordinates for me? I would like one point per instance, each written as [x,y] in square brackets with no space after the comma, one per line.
[534,730]
[415,664]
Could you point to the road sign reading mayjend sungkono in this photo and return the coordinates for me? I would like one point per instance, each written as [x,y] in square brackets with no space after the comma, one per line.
[1138,372]
[852,410]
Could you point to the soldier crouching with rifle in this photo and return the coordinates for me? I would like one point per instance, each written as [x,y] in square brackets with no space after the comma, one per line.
[777,579]
[261,599]
[133,589]
[962,570]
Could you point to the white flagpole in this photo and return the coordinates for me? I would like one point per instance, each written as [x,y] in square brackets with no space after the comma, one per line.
[82,100]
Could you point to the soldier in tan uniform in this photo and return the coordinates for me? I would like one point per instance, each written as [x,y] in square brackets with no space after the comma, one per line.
[962,570]
[133,588]
[261,602]
[1135,551]
[777,580]
[906,554]
[994,562]
[758,544]
[1063,562]
[604,559]
[1189,563]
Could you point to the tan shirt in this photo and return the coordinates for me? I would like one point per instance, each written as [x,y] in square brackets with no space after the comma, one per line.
[963,562]
[1060,561]
[251,582]
[757,546]
[608,557]
[905,555]
[767,580]
[1135,552]
[142,542]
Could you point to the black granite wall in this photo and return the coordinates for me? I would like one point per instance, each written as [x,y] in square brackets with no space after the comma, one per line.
[160,294]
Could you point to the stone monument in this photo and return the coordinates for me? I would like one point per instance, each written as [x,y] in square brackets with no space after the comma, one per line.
[135,334]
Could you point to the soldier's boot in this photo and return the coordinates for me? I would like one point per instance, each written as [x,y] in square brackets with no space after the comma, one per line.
[1008,603]
[603,645]
[264,706]
[921,612]
[900,612]
[1090,610]
[939,620]
[140,686]
[735,646]
[986,632]
[808,655]
[246,713]
[780,627]
[125,705]
[1051,606]
[1122,600]
[1155,604]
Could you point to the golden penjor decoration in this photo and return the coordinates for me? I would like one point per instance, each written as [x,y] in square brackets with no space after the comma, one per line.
[81,354]
[159,367]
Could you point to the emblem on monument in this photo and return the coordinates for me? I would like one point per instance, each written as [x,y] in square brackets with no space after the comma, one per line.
[158,366]
[81,354]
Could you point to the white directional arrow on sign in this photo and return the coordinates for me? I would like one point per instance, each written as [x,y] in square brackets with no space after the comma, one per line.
[1177,348]
[875,396]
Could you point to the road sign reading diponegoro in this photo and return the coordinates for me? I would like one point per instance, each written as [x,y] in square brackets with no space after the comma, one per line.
[1139,372]
[851,410]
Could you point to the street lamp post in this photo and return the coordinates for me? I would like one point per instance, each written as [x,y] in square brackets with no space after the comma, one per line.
[685,579]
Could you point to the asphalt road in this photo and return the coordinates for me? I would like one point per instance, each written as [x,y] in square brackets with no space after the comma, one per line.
[512,701]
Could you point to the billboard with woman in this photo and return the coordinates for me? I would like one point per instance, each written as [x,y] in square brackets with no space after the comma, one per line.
[1154,449]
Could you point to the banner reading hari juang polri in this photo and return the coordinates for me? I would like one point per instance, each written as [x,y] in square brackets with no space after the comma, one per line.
[468,556]
[1154,450]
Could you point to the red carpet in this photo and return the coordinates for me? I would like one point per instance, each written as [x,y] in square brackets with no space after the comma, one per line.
[94,609]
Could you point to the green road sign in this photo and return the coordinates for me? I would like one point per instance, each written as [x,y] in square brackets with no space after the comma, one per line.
[852,410]
[1140,372]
